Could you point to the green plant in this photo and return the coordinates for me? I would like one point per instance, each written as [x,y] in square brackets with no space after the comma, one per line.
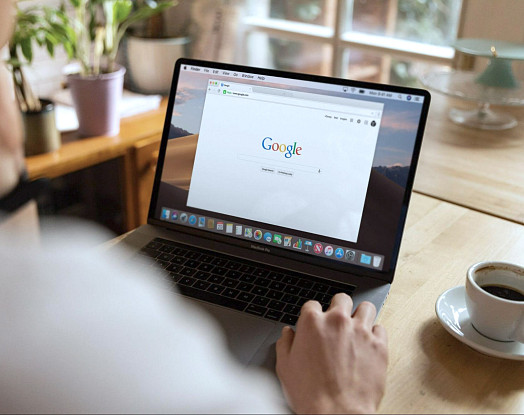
[43,26]
[430,21]
[105,22]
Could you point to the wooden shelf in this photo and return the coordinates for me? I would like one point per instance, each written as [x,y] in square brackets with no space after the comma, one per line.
[77,153]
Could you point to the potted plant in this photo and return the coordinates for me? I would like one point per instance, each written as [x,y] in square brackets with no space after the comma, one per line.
[46,27]
[154,45]
[99,26]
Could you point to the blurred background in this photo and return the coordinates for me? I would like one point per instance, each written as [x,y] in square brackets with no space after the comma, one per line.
[390,41]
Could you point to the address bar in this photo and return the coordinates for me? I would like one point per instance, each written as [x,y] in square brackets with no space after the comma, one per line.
[306,99]
[272,91]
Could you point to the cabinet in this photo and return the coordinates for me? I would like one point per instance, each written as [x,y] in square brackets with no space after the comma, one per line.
[134,149]
[143,157]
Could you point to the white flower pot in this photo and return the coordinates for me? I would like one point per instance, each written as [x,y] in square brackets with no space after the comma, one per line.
[150,62]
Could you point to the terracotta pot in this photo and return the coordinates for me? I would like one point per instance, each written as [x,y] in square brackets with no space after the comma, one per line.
[96,99]
[41,134]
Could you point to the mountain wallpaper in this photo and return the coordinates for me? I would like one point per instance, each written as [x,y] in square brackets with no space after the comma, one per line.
[397,174]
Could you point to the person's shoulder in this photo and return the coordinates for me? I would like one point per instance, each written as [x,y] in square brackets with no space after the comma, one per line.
[71,257]
[77,313]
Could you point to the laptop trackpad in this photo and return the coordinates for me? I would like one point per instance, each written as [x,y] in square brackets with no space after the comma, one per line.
[245,334]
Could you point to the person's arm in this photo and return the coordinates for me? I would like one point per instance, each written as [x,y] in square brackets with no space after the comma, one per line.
[334,362]
[11,148]
[94,331]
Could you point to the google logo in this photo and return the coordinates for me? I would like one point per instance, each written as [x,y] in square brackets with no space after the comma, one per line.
[291,148]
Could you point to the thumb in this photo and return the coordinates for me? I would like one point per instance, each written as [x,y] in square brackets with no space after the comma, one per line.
[286,341]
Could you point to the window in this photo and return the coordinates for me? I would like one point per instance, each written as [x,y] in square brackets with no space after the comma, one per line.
[274,170]
[372,40]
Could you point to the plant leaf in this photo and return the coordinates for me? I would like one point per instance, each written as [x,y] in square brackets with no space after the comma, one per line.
[122,9]
[27,49]
[50,47]
[69,50]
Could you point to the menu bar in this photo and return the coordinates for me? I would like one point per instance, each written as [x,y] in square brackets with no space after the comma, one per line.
[353,91]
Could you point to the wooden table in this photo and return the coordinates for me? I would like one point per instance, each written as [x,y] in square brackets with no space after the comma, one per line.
[429,370]
[479,169]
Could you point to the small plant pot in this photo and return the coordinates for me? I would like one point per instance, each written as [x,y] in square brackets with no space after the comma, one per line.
[41,134]
[96,99]
[151,62]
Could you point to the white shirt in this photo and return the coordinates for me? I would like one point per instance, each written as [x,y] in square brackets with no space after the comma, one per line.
[86,330]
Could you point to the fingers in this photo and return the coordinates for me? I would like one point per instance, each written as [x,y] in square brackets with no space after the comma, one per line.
[341,300]
[310,312]
[366,313]
[286,341]
[380,332]
[311,306]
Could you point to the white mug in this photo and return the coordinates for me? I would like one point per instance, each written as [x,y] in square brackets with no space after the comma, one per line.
[495,317]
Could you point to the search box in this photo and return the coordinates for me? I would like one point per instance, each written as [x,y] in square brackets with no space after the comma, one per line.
[267,163]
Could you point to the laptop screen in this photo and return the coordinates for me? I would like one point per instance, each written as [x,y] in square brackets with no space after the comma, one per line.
[289,163]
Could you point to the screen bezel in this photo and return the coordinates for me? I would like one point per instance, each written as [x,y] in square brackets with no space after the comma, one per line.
[383,275]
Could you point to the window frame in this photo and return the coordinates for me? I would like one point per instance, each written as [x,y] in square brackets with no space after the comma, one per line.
[340,40]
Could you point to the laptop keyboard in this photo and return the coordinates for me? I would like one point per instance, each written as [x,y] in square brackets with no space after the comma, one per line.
[269,292]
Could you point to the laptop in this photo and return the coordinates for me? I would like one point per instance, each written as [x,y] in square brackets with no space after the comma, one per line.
[273,188]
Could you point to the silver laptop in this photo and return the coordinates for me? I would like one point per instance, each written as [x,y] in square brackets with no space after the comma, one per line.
[273,188]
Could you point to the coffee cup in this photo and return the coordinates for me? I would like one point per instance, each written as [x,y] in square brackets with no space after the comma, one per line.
[495,300]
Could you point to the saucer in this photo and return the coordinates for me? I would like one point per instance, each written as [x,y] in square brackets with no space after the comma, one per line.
[452,313]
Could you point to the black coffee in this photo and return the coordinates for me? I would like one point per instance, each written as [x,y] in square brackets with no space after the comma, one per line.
[504,292]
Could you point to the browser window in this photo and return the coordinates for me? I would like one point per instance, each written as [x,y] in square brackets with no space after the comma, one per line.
[288,158]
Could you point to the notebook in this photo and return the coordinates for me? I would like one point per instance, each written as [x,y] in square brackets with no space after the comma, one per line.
[273,188]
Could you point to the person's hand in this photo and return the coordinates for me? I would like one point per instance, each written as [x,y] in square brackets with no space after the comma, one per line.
[334,362]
